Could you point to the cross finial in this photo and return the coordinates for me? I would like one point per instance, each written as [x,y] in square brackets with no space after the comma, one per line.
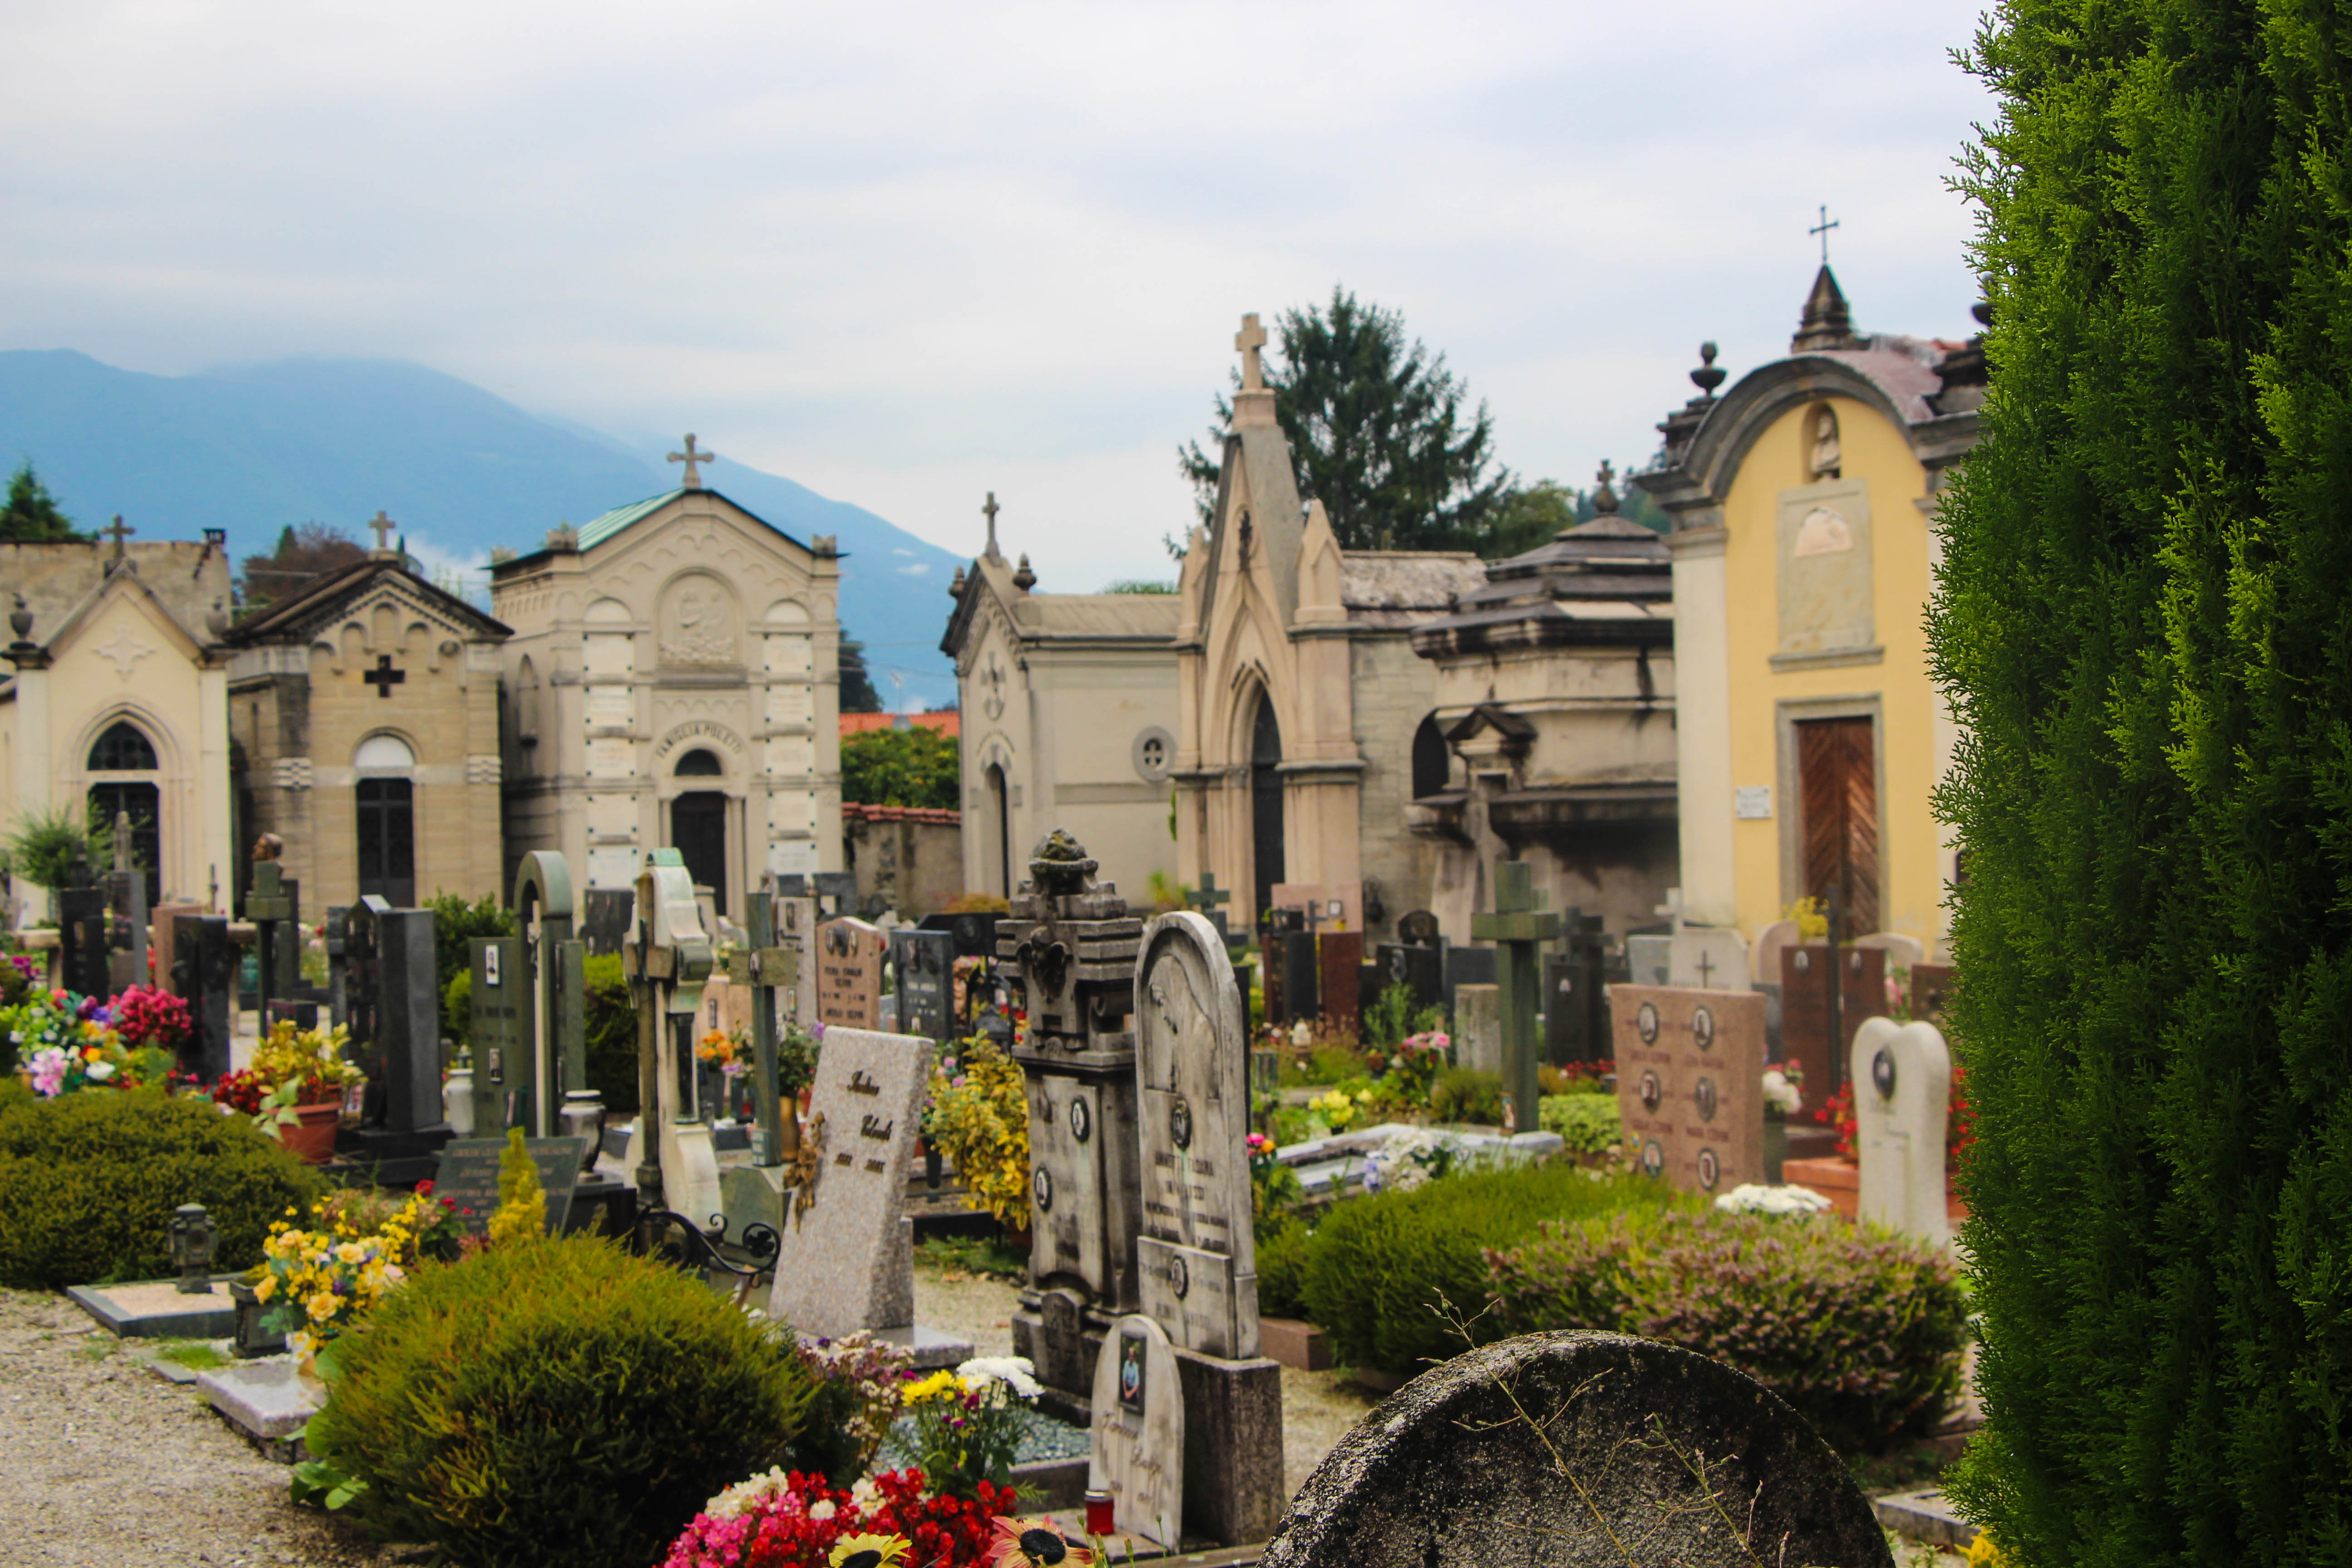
[382,526]
[1823,229]
[991,509]
[691,458]
[118,533]
[1249,339]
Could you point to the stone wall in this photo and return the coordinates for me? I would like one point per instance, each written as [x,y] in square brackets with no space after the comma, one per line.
[910,858]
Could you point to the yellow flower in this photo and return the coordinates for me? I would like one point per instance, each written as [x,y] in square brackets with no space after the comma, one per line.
[350,1252]
[264,1287]
[322,1306]
[870,1550]
[939,1386]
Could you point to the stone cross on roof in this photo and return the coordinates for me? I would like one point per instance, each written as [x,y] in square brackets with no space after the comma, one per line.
[1823,229]
[691,458]
[383,525]
[118,533]
[1249,339]
[991,509]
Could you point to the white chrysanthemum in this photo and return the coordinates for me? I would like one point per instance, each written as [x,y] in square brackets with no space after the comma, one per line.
[1754,1197]
[744,1496]
[1013,1371]
[1780,1091]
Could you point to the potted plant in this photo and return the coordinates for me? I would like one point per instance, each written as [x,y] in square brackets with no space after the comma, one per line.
[302,1076]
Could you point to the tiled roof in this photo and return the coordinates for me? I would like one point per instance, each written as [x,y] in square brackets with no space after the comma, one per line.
[948,723]
[901,814]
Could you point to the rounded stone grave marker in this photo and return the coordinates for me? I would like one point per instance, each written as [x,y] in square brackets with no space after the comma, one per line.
[1451,1470]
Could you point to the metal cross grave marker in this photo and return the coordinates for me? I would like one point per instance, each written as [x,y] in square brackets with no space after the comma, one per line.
[1517,926]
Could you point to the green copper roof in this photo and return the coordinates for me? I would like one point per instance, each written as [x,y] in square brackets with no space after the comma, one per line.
[598,530]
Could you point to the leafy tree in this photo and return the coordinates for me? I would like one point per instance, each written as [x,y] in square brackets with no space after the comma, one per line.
[1138,586]
[1530,515]
[44,845]
[914,766]
[31,515]
[1379,430]
[303,556]
[2143,621]
[858,693]
[456,924]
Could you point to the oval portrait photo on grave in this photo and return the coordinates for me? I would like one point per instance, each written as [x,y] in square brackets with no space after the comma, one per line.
[1653,1157]
[1180,1124]
[1710,1168]
[1646,1022]
[1652,1091]
[1703,1028]
[1180,1277]
[1704,1095]
[1882,1073]
[1041,1190]
[1082,1120]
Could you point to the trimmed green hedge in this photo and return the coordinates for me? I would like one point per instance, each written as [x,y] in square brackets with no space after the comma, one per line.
[1860,1330]
[1587,1124]
[1377,1267]
[89,1180]
[556,1402]
[610,1019]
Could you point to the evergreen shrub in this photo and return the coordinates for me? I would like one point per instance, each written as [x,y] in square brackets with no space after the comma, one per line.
[556,1402]
[1282,1244]
[2143,625]
[1377,1266]
[1859,1330]
[1587,1124]
[1470,1096]
[89,1180]
[611,1027]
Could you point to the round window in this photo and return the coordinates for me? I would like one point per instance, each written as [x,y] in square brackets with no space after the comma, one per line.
[1155,753]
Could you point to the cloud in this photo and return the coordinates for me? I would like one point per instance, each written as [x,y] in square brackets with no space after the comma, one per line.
[903,252]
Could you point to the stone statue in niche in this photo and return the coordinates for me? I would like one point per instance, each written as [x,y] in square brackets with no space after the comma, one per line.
[1825,460]
[698,625]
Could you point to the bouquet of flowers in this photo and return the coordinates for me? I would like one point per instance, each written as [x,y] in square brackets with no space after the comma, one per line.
[1410,1160]
[869,1375]
[791,1519]
[1336,1110]
[722,1050]
[321,1277]
[146,1017]
[297,1067]
[978,1117]
[969,1422]
[1414,1065]
[1754,1197]
[69,1043]
[1784,1090]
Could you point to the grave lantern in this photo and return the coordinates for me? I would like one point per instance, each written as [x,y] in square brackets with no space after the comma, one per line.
[193,1236]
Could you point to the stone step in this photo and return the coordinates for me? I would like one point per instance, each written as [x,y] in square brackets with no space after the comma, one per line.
[1925,1516]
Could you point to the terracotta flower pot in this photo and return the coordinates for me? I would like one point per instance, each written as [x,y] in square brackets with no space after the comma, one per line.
[312,1138]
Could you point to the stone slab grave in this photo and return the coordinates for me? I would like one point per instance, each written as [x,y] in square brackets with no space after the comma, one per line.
[268,1402]
[924,961]
[1648,1453]
[1706,957]
[1690,1070]
[850,955]
[848,1258]
[159,1309]
[1902,1076]
[468,1177]
[1478,1027]
[1138,1452]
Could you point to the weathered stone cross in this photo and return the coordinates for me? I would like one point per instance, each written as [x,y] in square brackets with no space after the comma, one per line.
[691,457]
[1249,339]
[1208,896]
[383,677]
[1517,925]
[991,509]
[118,533]
[384,526]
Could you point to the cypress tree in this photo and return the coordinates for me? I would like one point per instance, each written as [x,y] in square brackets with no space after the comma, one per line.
[2145,621]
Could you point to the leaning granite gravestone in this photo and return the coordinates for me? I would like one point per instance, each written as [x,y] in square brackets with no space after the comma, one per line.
[1901,1077]
[1690,1073]
[849,1258]
[1136,1455]
[925,964]
[1647,1453]
[849,955]
[468,1178]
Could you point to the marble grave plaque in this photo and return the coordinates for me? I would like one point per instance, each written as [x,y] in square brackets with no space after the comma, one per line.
[849,973]
[1690,1071]
[1196,1261]
[1136,1453]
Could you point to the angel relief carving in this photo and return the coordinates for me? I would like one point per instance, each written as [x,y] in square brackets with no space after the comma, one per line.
[699,625]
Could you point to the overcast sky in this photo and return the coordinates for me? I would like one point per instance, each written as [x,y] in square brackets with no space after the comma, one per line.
[905,255]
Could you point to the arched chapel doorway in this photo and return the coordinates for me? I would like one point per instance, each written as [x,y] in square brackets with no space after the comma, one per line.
[997,875]
[698,826]
[123,773]
[1265,803]
[384,795]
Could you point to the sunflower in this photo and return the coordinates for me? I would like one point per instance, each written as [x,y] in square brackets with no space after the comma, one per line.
[1034,1546]
[869,1552]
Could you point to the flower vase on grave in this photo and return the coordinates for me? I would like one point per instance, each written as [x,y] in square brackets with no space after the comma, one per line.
[311,1136]
[1776,1142]
[457,1102]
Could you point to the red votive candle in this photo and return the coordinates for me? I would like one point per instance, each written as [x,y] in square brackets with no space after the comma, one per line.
[1101,1519]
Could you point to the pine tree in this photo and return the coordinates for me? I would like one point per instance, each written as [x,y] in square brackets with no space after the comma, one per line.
[2145,622]
[31,515]
[1379,431]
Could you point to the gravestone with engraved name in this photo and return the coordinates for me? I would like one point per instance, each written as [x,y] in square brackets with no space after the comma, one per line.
[925,964]
[1805,1009]
[395,1013]
[1420,970]
[468,1176]
[502,1086]
[1690,1071]
[1576,993]
[1901,1077]
[1136,1452]
[849,1258]
[1196,1257]
[850,955]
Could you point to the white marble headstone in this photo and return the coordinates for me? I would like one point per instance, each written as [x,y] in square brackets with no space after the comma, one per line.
[1765,965]
[1138,1453]
[1478,1027]
[1901,950]
[1705,958]
[849,1262]
[1196,1257]
[1901,1077]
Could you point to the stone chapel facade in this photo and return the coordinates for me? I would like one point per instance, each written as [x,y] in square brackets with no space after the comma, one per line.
[365,713]
[1069,720]
[119,701]
[1299,691]
[672,681]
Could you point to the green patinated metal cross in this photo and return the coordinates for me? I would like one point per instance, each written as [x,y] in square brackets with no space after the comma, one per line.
[1208,894]
[265,904]
[766,969]
[1517,926]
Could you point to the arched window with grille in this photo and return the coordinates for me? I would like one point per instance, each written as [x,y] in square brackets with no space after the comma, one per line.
[123,782]
[384,795]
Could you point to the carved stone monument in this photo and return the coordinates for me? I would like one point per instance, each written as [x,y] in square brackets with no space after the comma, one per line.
[667,959]
[1902,1093]
[849,955]
[1690,1073]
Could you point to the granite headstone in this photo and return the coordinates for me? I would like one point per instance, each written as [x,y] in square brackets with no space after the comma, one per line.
[850,955]
[1805,1009]
[924,961]
[1690,1071]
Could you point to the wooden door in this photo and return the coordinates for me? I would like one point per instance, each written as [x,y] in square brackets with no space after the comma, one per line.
[697,829]
[1837,773]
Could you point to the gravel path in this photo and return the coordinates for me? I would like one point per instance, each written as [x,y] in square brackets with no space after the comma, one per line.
[104,1465]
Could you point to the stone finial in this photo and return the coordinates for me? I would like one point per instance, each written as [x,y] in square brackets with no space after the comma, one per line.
[1708,376]
[118,532]
[1025,579]
[1250,339]
[826,545]
[563,538]
[1060,865]
[217,622]
[382,526]
[1827,322]
[990,511]
[20,620]
[1604,497]
[955,589]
